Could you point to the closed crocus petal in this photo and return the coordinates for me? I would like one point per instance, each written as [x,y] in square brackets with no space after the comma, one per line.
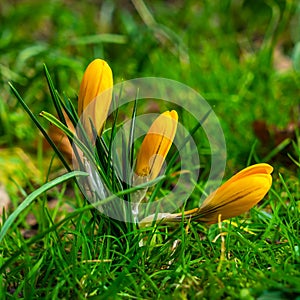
[236,196]
[95,96]
[156,146]
[60,139]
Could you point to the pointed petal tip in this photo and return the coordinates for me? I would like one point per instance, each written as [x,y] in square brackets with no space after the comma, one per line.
[260,168]
[174,115]
[171,114]
[95,95]
[156,144]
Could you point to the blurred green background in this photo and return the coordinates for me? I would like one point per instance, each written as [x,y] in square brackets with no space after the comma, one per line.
[242,56]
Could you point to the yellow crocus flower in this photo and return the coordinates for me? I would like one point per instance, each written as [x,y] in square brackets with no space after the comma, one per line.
[156,146]
[95,95]
[236,196]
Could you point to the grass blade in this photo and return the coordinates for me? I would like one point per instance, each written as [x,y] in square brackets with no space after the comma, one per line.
[10,220]
[54,95]
[39,126]
[131,135]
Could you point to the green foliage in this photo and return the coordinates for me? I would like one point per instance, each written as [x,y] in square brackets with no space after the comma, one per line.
[226,50]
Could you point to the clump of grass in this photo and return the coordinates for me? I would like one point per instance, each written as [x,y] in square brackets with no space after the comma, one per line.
[79,257]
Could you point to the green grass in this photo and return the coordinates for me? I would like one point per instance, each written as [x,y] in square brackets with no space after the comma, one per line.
[81,258]
[225,50]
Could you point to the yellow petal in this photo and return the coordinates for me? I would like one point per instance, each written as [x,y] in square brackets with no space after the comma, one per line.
[236,199]
[156,145]
[254,169]
[237,195]
[60,139]
[95,95]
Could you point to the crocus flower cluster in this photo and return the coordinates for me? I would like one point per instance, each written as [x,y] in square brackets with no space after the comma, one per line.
[234,197]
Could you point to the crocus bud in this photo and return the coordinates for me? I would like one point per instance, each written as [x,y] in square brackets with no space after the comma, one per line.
[156,145]
[60,139]
[236,196]
[95,96]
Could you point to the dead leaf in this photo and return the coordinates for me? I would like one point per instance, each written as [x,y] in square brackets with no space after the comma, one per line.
[272,136]
[281,62]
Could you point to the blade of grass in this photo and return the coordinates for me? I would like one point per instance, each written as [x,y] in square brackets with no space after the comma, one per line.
[54,95]
[277,149]
[252,152]
[85,149]
[70,111]
[40,127]
[34,195]
[125,160]
[131,134]
[115,166]
[97,38]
